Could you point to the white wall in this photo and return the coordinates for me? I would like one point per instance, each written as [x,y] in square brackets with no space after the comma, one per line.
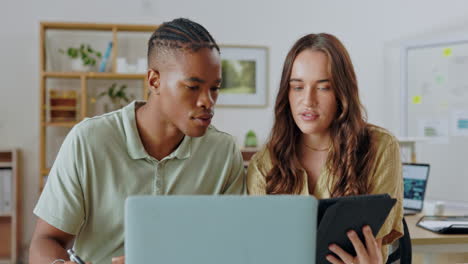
[368,29]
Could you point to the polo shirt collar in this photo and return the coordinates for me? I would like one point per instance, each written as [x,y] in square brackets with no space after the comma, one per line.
[135,147]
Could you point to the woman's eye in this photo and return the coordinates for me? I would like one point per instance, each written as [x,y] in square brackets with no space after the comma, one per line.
[192,87]
[215,89]
[323,88]
[297,88]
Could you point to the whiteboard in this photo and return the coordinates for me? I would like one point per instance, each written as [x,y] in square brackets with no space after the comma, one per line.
[434,91]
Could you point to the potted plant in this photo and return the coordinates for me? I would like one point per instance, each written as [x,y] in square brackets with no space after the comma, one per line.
[117,96]
[83,58]
[250,139]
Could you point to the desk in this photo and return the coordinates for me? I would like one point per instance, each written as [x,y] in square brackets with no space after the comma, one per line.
[431,244]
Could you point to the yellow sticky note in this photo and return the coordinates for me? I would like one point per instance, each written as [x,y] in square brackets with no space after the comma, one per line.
[447,52]
[417,99]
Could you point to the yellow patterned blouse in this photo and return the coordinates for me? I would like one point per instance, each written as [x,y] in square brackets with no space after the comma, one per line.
[387,178]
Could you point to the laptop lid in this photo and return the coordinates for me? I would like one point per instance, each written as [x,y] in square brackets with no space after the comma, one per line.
[415,176]
[220,229]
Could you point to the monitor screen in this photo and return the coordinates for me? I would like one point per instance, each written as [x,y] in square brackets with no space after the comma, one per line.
[415,180]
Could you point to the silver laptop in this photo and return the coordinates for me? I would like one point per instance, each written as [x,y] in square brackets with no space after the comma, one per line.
[220,229]
[415,177]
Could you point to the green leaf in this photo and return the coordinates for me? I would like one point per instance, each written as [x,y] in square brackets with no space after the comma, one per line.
[98,54]
[87,61]
[72,52]
[111,90]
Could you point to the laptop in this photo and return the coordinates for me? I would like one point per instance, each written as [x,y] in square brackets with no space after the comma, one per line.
[220,229]
[415,177]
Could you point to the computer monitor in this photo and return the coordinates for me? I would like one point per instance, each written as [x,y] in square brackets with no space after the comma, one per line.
[220,229]
[415,176]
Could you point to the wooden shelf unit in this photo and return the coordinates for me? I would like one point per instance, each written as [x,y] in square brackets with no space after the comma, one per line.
[10,222]
[83,77]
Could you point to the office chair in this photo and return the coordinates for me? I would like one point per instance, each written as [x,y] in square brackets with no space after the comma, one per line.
[403,252]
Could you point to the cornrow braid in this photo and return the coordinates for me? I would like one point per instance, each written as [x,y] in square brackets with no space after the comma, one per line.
[181,33]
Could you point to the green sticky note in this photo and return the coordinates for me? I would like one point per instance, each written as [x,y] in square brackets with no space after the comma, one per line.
[447,52]
[417,99]
[439,79]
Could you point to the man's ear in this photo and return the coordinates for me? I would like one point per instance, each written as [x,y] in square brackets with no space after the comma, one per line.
[153,81]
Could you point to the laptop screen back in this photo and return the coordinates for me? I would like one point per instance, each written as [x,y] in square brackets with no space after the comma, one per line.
[415,180]
[273,229]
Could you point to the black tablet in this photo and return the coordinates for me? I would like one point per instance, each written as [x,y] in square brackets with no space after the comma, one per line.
[336,216]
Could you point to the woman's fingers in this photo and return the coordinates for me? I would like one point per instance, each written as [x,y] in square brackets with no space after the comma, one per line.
[379,244]
[343,255]
[358,246]
[332,259]
[374,246]
[371,243]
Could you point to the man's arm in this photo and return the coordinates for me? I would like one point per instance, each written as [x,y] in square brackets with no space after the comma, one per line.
[48,244]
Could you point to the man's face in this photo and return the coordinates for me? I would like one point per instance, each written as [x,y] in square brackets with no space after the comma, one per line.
[188,88]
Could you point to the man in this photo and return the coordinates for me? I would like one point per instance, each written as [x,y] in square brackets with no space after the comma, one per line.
[164,146]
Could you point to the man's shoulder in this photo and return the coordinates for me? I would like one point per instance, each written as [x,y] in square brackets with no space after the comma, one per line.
[99,123]
[214,135]
[214,140]
[100,126]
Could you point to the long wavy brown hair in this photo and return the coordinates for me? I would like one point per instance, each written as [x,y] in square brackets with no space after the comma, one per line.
[350,161]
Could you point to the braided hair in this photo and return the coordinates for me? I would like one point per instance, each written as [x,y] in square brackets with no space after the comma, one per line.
[179,34]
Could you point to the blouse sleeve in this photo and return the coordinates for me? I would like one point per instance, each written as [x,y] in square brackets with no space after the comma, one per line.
[388,179]
[256,174]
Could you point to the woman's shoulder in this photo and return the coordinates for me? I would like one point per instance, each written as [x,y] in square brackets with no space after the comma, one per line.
[262,159]
[381,136]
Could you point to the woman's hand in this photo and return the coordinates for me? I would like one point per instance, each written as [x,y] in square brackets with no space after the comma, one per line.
[371,253]
[118,260]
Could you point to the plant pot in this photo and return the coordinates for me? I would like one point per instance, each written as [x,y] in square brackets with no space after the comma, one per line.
[77,65]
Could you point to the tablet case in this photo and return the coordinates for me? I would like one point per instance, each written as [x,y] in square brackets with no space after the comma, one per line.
[336,216]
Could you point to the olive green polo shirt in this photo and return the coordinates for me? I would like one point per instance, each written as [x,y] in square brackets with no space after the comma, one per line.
[102,161]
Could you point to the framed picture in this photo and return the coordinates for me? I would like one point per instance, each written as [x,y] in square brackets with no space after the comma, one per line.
[244,76]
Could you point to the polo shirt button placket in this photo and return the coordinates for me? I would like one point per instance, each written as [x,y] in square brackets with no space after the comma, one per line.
[159,179]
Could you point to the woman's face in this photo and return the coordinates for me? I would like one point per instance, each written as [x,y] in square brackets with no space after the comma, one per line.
[311,97]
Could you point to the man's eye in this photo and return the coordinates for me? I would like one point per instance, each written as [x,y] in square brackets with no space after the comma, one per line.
[193,87]
[215,89]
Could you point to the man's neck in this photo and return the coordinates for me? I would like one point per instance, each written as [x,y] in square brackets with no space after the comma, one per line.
[158,137]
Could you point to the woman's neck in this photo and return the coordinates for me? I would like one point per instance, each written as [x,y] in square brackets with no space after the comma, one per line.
[316,142]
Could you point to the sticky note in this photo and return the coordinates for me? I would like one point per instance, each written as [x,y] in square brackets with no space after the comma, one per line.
[447,52]
[439,79]
[417,99]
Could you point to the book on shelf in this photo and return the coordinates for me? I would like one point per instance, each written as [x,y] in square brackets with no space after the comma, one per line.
[6,198]
[105,58]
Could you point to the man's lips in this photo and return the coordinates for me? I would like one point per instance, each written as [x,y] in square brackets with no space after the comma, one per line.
[203,119]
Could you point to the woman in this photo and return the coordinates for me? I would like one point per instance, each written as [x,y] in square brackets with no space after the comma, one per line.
[321,144]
